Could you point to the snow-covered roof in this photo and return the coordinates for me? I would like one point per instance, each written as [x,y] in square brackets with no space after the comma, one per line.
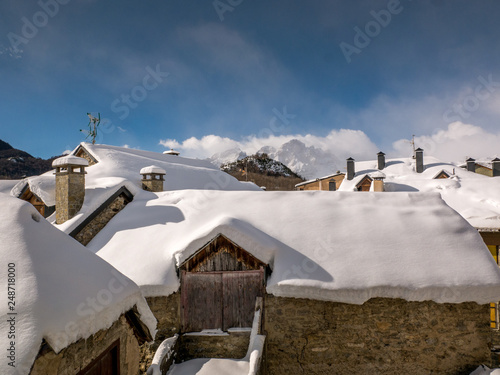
[476,197]
[69,160]
[377,175]
[120,166]
[342,247]
[319,179]
[54,279]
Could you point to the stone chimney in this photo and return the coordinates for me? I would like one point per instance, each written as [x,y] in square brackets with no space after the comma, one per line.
[378,181]
[381,160]
[152,178]
[70,186]
[350,169]
[419,160]
[471,165]
[495,166]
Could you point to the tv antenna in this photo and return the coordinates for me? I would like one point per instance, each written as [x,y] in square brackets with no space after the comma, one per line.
[412,142]
[93,124]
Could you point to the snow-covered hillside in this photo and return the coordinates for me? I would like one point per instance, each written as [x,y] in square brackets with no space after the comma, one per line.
[306,161]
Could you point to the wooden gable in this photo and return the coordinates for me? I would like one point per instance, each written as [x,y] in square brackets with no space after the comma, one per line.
[221,254]
[28,196]
[364,184]
[441,175]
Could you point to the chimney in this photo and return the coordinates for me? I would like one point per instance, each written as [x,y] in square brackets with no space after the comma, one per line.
[152,178]
[171,152]
[378,181]
[381,160]
[70,186]
[495,166]
[350,169]
[471,165]
[419,163]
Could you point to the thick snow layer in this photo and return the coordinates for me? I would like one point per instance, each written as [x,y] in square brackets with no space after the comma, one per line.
[119,166]
[210,366]
[43,186]
[63,292]
[163,353]
[485,370]
[7,185]
[322,245]
[69,160]
[152,169]
[474,196]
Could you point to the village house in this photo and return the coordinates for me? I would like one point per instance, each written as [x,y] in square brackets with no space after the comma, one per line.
[471,194]
[490,168]
[366,283]
[68,312]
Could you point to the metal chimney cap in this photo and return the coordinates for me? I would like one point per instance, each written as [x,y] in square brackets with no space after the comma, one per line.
[380,153]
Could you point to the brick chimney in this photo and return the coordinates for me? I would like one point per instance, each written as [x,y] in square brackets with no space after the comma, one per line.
[381,160]
[152,178]
[419,162]
[70,186]
[495,166]
[350,169]
[471,165]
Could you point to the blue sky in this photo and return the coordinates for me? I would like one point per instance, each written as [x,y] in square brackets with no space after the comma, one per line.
[246,72]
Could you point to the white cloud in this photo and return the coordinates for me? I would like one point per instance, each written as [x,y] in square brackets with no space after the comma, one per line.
[341,143]
[455,143]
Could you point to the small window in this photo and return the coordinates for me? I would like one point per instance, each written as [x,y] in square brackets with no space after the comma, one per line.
[331,185]
[107,363]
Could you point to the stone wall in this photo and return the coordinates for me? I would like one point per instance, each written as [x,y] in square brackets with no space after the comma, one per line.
[167,310]
[91,229]
[232,345]
[82,153]
[382,336]
[78,355]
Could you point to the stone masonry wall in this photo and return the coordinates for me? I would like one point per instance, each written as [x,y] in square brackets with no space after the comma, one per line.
[232,345]
[82,153]
[100,221]
[167,313]
[78,355]
[167,310]
[382,336]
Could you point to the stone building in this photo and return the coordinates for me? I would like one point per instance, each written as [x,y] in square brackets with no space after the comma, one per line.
[69,312]
[366,283]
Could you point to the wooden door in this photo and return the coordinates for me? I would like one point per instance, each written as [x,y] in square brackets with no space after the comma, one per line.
[201,299]
[223,300]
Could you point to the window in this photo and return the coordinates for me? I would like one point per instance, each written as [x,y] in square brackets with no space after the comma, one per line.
[108,363]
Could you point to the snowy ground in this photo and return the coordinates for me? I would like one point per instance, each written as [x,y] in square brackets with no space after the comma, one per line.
[211,366]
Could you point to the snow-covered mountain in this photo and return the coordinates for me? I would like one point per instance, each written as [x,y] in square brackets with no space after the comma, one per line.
[228,156]
[307,161]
